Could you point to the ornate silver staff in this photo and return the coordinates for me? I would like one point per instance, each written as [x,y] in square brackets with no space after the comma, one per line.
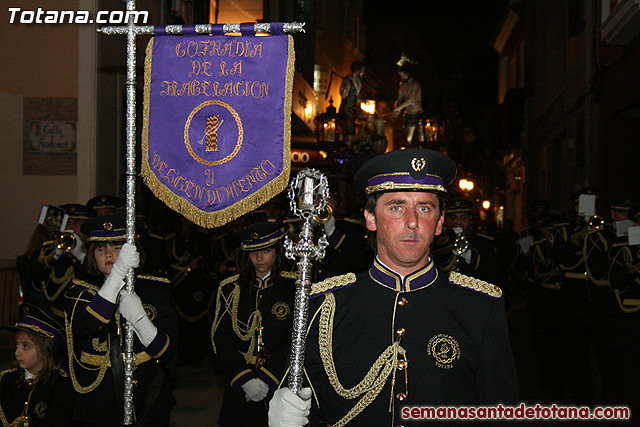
[308,195]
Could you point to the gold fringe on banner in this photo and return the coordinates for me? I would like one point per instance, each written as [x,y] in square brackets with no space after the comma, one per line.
[187,209]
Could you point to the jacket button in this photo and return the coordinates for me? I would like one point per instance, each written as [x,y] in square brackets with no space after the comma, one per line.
[402,302]
[400,332]
[401,396]
[402,364]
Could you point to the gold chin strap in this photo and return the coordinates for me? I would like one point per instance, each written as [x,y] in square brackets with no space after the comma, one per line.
[374,380]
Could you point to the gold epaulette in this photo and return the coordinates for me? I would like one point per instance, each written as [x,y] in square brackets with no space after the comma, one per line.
[87,285]
[474,284]
[289,274]
[333,282]
[229,280]
[153,278]
[6,371]
[486,236]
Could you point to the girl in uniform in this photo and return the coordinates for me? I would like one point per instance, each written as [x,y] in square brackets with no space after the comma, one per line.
[37,392]
[251,332]
[96,309]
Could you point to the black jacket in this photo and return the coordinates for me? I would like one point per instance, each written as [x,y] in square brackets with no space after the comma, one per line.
[94,324]
[445,338]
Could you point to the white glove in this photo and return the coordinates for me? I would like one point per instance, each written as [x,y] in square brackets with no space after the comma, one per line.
[466,255]
[330,226]
[286,409]
[255,390]
[80,250]
[127,258]
[130,307]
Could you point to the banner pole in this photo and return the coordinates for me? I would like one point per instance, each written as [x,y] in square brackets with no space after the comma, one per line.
[131,203]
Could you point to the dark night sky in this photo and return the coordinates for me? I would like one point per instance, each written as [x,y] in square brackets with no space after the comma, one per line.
[459,24]
[456,33]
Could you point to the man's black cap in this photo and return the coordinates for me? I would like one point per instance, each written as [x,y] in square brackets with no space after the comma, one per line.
[623,204]
[459,206]
[592,191]
[414,169]
[78,211]
[103,202]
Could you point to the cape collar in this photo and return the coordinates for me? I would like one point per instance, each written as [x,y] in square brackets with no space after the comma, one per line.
[419,279]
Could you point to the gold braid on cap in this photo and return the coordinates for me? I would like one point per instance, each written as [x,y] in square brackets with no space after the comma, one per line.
[398,186]
[36,329]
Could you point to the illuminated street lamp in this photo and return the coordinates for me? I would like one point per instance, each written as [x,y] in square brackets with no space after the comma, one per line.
[465,184]
[486,204]
[327,124]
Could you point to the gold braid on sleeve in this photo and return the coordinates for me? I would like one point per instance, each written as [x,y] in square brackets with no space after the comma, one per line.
[374,380]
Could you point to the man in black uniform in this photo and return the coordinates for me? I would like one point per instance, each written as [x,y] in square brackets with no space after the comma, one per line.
[475,253]
[624,280]
[63,257]
[104,204]
[402,334]
[576,298]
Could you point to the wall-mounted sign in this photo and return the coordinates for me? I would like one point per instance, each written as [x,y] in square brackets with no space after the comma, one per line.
[304,158]
[48,136]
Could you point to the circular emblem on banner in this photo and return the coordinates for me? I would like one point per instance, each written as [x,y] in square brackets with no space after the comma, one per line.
[208,129]
[444,349]
[151,311]
[280,310]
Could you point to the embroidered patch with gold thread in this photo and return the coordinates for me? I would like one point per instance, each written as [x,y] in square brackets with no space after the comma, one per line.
[444,349]
[281,310]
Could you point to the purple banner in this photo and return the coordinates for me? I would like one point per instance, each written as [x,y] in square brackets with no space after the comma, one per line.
[217,114]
